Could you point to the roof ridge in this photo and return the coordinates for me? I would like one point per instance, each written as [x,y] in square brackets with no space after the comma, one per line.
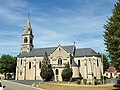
[44,47]
[84,48]
[51,47]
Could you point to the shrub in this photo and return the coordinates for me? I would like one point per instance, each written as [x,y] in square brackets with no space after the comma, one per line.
[47,74]
[98,81]
[95,82]
[78,82]
[85,81]
[46,70]
[9,76]
[67,73]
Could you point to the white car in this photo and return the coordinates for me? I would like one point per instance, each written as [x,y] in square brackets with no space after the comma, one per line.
[1,86]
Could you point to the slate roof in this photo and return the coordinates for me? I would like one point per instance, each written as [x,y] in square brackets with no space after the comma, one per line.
[41,51]
[85,52]
[74,64]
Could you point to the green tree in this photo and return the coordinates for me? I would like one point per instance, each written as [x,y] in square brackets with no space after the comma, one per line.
[106,63]
[112,35]
[46,70]
[67,73]
[8,64]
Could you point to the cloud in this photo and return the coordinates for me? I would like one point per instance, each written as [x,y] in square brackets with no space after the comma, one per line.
[53,23]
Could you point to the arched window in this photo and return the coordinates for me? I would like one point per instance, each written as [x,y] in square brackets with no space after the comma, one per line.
[20,72]
[59,61]
[30,40]
[21,61]
[79,63]
[97,62]
[56,72]
[39,64]
[29,65]
[25,40]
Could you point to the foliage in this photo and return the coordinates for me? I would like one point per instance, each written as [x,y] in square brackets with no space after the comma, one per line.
[85,81]
[46,69]
[7,64]
[78,82]
[112,35]
[97,81]
[106,64]
[9,76]
[67,73]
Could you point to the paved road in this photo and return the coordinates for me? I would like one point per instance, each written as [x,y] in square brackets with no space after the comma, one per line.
[17,86]
[26,82]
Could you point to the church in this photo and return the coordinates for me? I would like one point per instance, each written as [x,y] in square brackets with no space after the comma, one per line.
[85,62]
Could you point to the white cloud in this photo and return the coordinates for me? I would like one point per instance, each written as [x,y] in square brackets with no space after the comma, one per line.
[59,25]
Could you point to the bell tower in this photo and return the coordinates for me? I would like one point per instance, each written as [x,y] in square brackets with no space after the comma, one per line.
[27,37]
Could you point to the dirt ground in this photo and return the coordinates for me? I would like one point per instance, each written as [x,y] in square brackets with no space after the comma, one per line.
[75,87]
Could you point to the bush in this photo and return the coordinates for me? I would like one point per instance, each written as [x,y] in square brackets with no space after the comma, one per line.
[98,82]
[85,81]
[95,82]
[9,76]
[67,73]
[78,82]
[47,73]
[46,70]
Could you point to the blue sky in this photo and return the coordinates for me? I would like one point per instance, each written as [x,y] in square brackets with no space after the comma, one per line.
[54,22]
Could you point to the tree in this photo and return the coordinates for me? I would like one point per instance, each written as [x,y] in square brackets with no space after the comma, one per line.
[112,35]
[46,70]
[106,63]
[67,73]
[8,64]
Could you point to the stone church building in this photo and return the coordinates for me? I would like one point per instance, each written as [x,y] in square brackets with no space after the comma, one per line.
[84,62]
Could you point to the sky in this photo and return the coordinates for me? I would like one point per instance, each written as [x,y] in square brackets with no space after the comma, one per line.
[54,22]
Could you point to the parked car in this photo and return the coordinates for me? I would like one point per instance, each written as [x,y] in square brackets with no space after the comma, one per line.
[1,86]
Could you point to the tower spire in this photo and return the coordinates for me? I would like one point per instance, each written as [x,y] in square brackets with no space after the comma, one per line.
[27,37]
[28,21]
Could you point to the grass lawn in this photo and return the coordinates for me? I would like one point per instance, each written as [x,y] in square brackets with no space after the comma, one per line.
[74,87]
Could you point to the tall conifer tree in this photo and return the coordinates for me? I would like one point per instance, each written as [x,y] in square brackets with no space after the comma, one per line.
[46,70]
[112,35]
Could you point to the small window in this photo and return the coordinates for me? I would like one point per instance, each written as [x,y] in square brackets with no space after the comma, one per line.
[39,64]
[79,63]
[59,61]
[20,72]
[21,61]
[97,62]
[29,65]
[56,71]
[25,40]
